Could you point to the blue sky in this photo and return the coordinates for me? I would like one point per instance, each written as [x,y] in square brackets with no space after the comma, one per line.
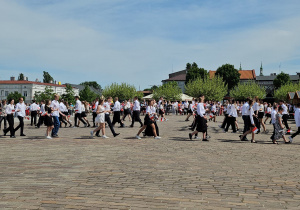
[141,41]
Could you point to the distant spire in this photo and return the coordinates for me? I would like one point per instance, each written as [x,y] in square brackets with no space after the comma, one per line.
[261,70]
[240,66]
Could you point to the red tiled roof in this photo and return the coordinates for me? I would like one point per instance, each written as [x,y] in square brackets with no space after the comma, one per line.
[180,77]
[29,82]
[245,74]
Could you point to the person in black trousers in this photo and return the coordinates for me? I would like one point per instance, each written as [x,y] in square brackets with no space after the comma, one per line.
[136,112]
[33,112]
[94,111]
[20,110]
[117,113]
[3,115]
[10,110]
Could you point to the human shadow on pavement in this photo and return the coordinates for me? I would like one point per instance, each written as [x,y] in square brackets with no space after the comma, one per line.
[35,137]
[182,139]
[232,141]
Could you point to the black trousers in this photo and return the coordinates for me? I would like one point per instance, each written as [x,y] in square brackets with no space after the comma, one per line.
[126,112]
[41,121]
[107,119]
[256,121]
[21,125]
[285,118]
[94,117]
[231,121]
[272,137]
[33,117]
[295,134]
[5,122]
[246,124]
[136,117]
[225,121]
[116,118]
[10,119]
[61,119]
[78,116]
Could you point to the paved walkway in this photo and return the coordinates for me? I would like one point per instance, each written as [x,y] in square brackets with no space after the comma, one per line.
[75,172]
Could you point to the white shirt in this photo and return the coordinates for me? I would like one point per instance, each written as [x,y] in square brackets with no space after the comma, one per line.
[33,107]
[256,106]
[117,106]
[106,107]
[261,108]
[273,116]
[10,109]
[269,110]
[213,108]
[42,108]
[127,106]
[200,110]
[191,107]
[251,116]
[96,106]
[186,105]
[55,106]
[228,108]
[136,106]
[62,107]
[22,108]
[78,108]
[245,109]
[284,109]
[149,110]
[297,117]
[233,111]
[82,108]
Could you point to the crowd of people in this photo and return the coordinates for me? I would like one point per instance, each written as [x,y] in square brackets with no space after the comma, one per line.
[53,114]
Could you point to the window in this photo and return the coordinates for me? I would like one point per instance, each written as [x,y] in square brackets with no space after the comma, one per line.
[2,92]
[25,93]
[6,93]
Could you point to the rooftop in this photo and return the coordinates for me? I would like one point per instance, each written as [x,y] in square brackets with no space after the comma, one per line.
[245,74]
[180,77]
[29,82]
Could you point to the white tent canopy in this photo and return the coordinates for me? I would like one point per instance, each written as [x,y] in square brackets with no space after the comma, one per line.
[182,96]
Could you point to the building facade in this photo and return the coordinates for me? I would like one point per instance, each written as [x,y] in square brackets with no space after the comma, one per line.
[179,77]
[28,88]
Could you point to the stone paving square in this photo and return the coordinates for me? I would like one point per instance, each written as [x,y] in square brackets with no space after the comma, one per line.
[76,172]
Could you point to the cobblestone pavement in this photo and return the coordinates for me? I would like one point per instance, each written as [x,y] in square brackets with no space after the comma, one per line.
[76,172]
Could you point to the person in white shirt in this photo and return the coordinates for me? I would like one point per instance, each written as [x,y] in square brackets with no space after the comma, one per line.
[246,117]
[94,111]
[10,111]
[78,110]
[148,121]
[136,112]
[297,120]
[55,115]
[41,118]
[190,111]
[84,112]
[261,113]
[33,112]
[225,121]
[186,106]
[3,114]
[117,113]
[20,110]
[232,117]
[100,119]
[268,113]
[127,110]
[285,115]
[250,122]
[201,120]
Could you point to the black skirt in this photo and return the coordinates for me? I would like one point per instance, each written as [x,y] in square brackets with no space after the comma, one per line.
[201,124]
[147,120]
[261,115]
[48,121]
[83,114]
[190,111]
[268,115]
[149,131]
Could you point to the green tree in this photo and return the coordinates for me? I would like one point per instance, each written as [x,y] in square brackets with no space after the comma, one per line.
[213,89]
[21,77]
[193,72]
[69,95]
[169,91]
[93,84]
[47,77]
[15,95]
[230,75]
[281,93]
[248,90]
[47,94]
[281,79]
[123,91]
[87,95]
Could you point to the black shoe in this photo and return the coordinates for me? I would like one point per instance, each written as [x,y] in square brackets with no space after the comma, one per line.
[55,136]
[4,134]
[23,134]
[98,135]
[190,136]
[13,137]
[116,134]
[204,139]
[287,142]
[131,126]
[89,125]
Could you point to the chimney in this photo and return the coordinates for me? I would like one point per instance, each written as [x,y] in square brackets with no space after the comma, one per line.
[12,78]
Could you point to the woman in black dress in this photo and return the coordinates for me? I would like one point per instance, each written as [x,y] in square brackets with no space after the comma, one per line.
[48,119]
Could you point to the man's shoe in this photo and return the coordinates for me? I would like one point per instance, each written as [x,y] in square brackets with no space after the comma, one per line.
[131,126]
[116,134]
[23,134]
[4,134]
[190,136]
[204,139]
[13,137]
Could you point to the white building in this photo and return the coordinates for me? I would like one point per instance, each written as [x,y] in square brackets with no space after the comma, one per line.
[28,88]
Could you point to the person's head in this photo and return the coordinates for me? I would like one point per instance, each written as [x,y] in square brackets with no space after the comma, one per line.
[21,100]
[4,101]
[116,98]
[101,102]
[269,105]
[128,100]
[281,102]
[280,109]
[97,99]
[150,103]
[47,102]
[232,101]
[261,102]
[109,99]
[42,101]
[61,100]
[196,100]
[201,98]
[76,98]
[11,101]
[56,97]
[250,103]
[275,107]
